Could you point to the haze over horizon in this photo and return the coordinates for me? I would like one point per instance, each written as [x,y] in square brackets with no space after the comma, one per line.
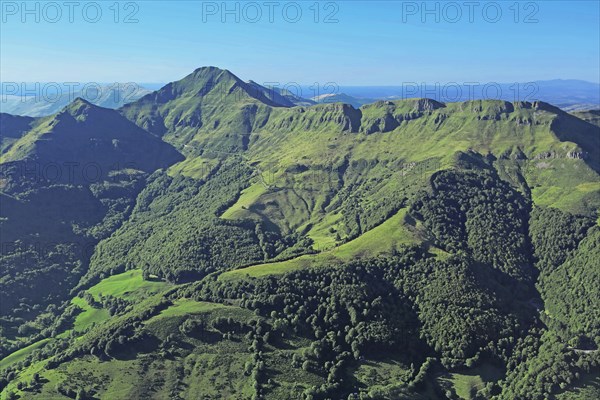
[335,42]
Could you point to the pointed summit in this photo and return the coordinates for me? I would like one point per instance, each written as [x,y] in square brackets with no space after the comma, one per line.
[79,107]
[210,100]
[205,79]
[220,84]
[213,71]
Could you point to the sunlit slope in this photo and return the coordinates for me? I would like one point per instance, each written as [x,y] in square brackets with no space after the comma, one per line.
[312,162]
[210,108]
[385,239]
[211,114]
[331,173]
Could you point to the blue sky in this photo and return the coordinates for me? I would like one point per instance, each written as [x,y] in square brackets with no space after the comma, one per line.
[372,43]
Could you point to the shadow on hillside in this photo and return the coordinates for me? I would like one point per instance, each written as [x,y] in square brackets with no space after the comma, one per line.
[586,135]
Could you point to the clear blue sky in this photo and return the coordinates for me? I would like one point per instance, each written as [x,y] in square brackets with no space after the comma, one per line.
[373,43]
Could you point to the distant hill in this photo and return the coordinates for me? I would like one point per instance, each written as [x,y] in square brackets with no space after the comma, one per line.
[591,116]
[568,94]
[113,96]
[280,95]
[342,98]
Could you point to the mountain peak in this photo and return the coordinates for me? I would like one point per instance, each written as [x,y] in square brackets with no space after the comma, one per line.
[212,97]
[209,68]
[79,106]
[212,73]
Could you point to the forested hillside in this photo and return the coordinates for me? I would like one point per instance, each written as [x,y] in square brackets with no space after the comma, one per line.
[234,244]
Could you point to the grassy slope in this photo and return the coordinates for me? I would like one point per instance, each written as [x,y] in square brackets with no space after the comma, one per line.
[208,366]
[89,316]
[397,230]
[467,383]
[248,197]
[129,286]
[20,354]
[301,151]
[185,307]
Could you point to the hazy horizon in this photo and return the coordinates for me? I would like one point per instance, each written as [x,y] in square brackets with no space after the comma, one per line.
[356,43]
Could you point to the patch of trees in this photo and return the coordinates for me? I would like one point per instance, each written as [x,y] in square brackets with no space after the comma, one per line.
[555,235]
[117,336]
[57,267]
[365,183]
[411,304]
[571,292]
[47,323]
[541,365]
[479,214]
[114,305]
[175,231]
[465,312]
[49,233]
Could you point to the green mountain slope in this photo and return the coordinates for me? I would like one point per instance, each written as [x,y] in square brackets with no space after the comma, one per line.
[68,181]
[319,173]
[571,293]
[402,250]
[208,108]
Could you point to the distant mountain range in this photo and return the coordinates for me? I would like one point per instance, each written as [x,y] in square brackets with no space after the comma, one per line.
[46,103]
[569,95]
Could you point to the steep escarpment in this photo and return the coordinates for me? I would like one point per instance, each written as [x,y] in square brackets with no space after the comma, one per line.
[335,117]
[385,116]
